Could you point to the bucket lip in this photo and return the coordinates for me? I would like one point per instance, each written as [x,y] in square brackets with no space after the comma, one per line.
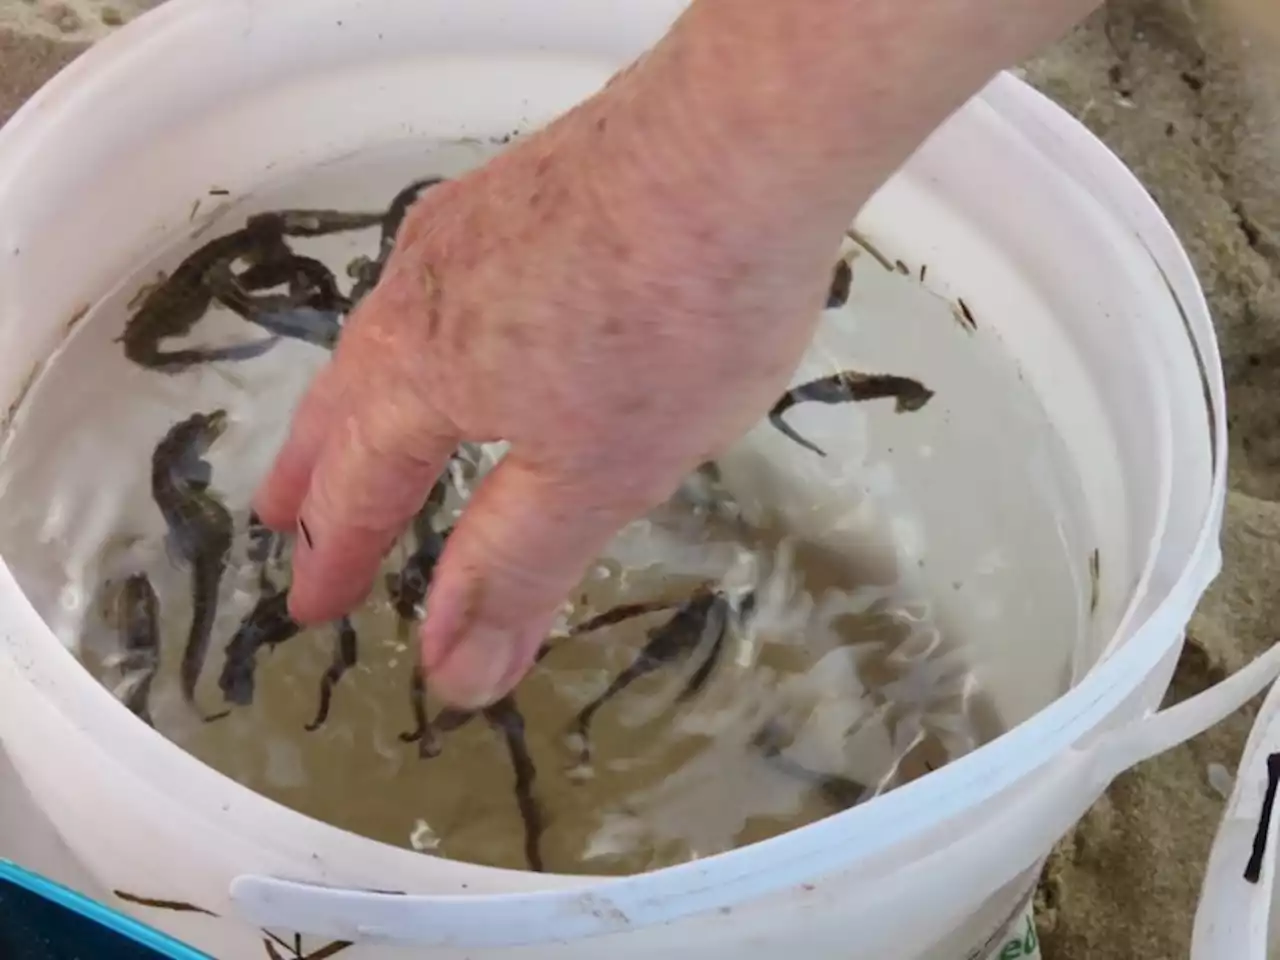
[40,111]
[962,784]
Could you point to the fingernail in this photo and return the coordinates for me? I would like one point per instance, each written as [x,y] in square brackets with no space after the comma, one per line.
[478,670]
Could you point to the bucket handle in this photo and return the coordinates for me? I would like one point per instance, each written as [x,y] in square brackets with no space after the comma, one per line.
[629,903]
[1165,729]
[1233,915]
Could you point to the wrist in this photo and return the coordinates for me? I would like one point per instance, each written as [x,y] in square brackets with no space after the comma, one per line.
[787,114]
[669,166]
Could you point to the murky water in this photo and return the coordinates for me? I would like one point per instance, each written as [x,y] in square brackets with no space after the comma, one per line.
[851,673]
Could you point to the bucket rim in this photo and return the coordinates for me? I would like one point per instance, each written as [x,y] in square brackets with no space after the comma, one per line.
[751,871]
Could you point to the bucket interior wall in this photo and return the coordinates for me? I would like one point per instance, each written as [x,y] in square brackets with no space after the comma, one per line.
[1026,307]
[1024,653]
[1076,317]
[996,595]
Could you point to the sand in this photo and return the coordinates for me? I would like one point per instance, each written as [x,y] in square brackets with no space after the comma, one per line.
[1194,110]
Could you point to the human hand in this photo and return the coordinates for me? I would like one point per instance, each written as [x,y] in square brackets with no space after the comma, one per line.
[592,299]
[619,296]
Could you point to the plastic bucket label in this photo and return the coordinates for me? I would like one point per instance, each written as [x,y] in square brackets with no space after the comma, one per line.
[1016,938]
[1019,940]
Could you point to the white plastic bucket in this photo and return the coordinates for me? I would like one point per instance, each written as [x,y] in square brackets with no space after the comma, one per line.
[1233,919]
[105,160]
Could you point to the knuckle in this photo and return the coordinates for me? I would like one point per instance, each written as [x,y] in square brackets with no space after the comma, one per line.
[355,490]
[398,432]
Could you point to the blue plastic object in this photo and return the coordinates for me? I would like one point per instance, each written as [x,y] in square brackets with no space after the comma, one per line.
[43,920]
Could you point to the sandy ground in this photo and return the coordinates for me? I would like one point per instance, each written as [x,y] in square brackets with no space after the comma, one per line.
[1194,109]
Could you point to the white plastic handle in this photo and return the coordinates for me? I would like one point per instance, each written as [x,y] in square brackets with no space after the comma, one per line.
[631,903]
[1234,911]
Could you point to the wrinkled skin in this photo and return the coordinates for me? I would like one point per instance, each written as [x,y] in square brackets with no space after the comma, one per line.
[518,306]
[620,296]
